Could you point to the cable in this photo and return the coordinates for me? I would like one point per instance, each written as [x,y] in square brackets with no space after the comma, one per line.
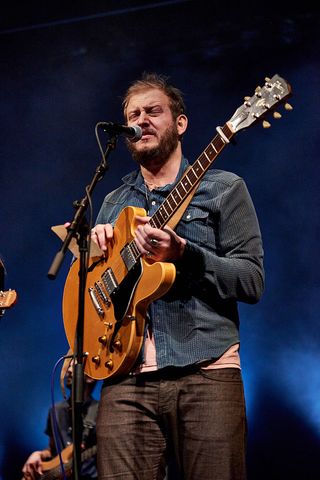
[56,437]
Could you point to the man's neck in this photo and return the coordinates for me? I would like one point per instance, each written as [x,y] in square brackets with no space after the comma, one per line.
[159,175]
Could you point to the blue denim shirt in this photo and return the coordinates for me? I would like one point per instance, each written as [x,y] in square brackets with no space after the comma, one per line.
[222,264]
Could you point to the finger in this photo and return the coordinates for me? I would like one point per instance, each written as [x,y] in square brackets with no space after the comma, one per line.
[142,220]
[102,234]
[28,473]
[153,235]
[141,244]
[141,239]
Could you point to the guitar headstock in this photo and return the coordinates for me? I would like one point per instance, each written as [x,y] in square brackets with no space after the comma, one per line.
[7,299]
[274,92]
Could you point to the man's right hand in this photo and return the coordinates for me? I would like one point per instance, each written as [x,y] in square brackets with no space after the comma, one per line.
[32,469]
[101,234]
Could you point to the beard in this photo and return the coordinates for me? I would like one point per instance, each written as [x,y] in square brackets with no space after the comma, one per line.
[156,155]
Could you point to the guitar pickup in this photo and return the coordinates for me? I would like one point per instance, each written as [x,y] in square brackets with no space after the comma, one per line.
[102,295]
[109,281]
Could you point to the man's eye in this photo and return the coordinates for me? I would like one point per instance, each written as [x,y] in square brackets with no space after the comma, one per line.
[155,111]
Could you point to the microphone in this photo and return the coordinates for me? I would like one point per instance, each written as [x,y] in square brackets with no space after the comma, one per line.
[132,133]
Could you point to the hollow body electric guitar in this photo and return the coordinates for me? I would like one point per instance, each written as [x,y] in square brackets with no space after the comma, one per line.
[121,284]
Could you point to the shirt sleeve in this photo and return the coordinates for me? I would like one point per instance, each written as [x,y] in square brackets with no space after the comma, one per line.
[235,271]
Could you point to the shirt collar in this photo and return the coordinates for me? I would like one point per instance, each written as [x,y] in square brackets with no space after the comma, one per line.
[135,179]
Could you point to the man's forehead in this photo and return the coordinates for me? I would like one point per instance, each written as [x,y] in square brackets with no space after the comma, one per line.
[147,98]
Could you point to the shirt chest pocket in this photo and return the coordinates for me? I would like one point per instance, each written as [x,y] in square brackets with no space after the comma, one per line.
[195,226]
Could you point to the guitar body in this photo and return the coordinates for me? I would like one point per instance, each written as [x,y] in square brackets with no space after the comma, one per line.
[51,468]
[116,301]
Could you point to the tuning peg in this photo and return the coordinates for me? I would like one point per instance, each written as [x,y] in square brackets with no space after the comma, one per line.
[258,92]
[277,115]
[266,124]
[287,106]
[267,79]
[246,99]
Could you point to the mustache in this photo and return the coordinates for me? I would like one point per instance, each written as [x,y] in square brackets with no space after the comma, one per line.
[148,131]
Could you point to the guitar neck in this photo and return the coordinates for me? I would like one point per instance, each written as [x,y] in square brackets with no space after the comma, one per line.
[265,99]
[191,178]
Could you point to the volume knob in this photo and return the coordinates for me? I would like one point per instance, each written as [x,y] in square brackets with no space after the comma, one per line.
[103,339]
[96,360]
[109,364]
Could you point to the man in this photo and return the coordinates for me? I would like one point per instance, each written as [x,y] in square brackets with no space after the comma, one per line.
[35,466]
[183,402]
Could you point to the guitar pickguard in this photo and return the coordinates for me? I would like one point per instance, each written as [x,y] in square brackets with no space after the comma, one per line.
[122,295]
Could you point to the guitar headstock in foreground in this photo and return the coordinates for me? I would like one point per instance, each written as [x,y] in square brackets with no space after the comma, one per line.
[7,299]
[265,100]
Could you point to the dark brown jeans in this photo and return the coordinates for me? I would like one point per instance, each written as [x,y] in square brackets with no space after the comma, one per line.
[192,421]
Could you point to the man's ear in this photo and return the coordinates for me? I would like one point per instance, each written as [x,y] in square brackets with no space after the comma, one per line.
[182,123]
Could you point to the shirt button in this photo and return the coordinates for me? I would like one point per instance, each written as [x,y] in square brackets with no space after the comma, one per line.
[188,216]
[153,202]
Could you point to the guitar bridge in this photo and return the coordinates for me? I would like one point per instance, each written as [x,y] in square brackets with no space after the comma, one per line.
[95,302]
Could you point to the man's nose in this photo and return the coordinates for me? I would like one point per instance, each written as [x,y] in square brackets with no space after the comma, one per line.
[143,119]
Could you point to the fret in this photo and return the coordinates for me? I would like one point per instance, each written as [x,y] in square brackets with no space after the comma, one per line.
[205,161]
[211,144]
[170,197]
[193,177]
[166,207]
[157,220]
[218,143]
[181,190]
[163,212]
[197,167]
[186,183]
[153,220]
[208,156]
[215,151]
[176,196]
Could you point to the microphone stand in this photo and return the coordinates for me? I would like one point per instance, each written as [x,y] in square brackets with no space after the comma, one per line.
[79,229]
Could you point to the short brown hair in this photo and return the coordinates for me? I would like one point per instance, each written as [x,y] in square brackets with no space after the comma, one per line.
[154,80]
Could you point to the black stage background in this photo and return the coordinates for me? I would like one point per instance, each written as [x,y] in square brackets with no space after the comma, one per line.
[64,67]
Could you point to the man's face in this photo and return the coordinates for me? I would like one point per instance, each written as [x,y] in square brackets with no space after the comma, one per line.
[151,111]
[69,376]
